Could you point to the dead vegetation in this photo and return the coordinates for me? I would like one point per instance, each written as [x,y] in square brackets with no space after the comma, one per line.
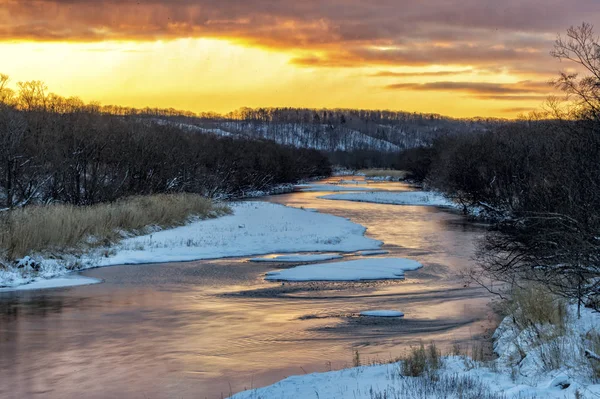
[421,360]
[534,306]
[51,228]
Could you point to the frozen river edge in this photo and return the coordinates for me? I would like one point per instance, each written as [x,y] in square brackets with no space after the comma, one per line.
[254,228]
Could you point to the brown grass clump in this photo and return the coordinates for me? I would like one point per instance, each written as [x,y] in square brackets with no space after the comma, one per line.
[535,306]
[421,360]
[66,227]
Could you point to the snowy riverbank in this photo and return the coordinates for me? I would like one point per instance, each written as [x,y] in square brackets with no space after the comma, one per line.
[522,370]
[254,228]
[423,198]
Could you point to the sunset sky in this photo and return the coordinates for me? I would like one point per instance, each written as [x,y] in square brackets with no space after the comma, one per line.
[454,57]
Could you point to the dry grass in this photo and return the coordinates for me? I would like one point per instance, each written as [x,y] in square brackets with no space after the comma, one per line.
[543,319]
[400,174]
[535,306]
[65,227]
[421,361]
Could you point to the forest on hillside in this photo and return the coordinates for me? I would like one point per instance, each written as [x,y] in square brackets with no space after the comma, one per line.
[331,130]
[55,149]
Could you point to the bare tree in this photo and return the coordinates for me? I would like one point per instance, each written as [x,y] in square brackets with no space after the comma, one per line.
[12,130]
[581,47]
[550,233]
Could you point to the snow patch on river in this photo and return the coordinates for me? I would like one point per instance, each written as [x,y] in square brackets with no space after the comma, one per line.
[382,313]
[354,270]
[297,258]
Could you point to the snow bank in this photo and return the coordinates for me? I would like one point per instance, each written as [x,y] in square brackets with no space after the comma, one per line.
[254,228]
[541,361]
[395,198]
[332,187]
[59,282]
[275,190]
[355,270]
[33,270]
[459,377]
[382,313]
[298,258]
[541,347]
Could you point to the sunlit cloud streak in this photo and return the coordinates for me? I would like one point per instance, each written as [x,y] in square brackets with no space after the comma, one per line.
[391,43]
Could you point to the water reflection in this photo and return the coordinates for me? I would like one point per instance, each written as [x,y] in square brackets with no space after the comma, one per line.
[203,329]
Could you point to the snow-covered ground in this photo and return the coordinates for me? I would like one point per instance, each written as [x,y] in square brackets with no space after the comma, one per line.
[354,270]
[278,189]
[254,228]
[395,198]
[57,282]
[459,378]
[523,370]
[297,258]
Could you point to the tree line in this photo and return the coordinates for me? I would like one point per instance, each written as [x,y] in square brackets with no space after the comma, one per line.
[538,179]
[341,129]
[56,149]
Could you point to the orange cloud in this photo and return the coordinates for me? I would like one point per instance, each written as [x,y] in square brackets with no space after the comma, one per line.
[318,52]
[524,90]
[346,32]
[388,74]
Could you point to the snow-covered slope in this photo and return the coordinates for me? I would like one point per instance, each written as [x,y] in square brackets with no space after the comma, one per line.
[320,137]
[193,128]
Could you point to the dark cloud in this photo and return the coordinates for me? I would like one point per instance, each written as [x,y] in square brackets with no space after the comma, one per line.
[516,33]
[521,91]
[517,110]
[539,98]
[390,74]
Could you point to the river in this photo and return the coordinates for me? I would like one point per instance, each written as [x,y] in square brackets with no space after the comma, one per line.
[211,328]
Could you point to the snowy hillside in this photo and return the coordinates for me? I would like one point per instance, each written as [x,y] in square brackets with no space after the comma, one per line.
[331,130]
[192,128]
[317,136]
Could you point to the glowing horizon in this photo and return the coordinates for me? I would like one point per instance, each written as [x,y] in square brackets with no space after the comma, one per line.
[199,56]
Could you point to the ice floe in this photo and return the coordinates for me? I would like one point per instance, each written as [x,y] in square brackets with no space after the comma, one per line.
[354,270]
